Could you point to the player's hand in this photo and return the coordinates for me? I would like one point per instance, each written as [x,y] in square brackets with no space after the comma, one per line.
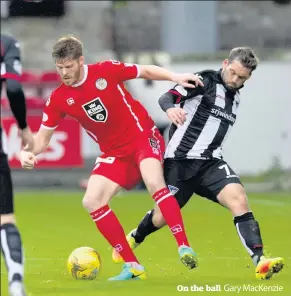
[177,115]
[27,159]
[184,80]
[27,138]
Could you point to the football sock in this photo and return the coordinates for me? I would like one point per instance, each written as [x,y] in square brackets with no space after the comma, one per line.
[249,233]
[145,228]
[111,229]
[172,214]
[11,247]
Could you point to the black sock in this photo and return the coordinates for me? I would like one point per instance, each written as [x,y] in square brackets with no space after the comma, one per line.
[249,233]
[11,247]
[145,227]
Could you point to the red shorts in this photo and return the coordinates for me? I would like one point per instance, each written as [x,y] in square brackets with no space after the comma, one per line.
[125,170]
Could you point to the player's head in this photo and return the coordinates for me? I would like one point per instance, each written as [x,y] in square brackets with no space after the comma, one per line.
[238,67]
[69,60]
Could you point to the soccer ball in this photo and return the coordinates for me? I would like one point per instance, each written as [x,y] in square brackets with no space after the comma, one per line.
[84,263]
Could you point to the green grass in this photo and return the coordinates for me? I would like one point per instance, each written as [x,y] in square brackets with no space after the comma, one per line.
[54,223]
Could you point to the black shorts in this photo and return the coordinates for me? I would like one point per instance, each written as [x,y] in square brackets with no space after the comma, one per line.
[6,191]
[203,177]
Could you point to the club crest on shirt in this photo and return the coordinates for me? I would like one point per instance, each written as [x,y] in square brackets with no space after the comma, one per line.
[101,83]
[95,110]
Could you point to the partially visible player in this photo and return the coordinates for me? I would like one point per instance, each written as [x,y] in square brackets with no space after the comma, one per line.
[11,244]
[131,144]
[193,158]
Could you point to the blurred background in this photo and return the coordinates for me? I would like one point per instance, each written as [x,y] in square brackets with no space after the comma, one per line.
[180,35]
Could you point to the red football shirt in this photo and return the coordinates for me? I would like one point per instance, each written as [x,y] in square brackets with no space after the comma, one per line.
[102,105]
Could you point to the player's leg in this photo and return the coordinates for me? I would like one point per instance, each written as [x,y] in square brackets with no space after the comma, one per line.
[224,186]
[149,159]
[150,223]
[181,189]
[233,196]
[104,183]
[152,174]
[11,244]
[153,219]
[180,175]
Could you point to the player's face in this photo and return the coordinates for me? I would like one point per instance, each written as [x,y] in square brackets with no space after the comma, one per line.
[70,70]
[234,74]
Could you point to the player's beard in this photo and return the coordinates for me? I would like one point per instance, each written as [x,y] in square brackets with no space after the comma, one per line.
[77,76]
[73,79]
[229,87]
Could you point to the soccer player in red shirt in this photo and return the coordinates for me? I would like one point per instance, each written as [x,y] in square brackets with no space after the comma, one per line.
[131,144]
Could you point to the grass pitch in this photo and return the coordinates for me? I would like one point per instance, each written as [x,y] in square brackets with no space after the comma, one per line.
[54,223]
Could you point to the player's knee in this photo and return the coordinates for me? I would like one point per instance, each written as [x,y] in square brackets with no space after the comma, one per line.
[92,203]
[154,186]
[152,173]
[238,203]
[234,197]
[89,203]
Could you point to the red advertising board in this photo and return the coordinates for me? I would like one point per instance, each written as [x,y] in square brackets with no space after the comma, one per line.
[64,150]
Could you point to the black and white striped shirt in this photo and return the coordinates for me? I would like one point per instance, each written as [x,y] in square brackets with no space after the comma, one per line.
[211,113]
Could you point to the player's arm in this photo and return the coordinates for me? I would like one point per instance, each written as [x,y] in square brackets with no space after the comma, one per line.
[14,90]
[152,72]
[11,60]
[41,141]
[125,71]
[50,120]
[177,95]
[18,107]
[52,115]
[17,102]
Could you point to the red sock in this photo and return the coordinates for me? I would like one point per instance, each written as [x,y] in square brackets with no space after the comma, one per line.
[111,229]
[172,214]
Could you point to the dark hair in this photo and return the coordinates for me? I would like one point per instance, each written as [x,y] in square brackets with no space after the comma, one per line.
[68,47]
[246,56]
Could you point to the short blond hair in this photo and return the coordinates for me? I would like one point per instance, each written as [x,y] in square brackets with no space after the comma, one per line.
[68,47]
[246,56]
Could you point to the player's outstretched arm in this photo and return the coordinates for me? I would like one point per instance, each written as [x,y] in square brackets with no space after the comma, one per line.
[41,141]
[152,72]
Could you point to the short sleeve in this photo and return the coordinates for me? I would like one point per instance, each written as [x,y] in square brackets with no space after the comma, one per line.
[52,113]
[122,71]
